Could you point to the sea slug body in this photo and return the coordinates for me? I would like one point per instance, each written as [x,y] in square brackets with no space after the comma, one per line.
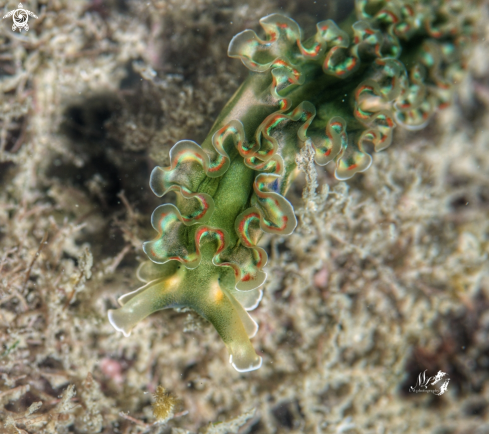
[342,91]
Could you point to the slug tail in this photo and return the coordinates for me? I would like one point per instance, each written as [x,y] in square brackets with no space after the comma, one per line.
[235,327]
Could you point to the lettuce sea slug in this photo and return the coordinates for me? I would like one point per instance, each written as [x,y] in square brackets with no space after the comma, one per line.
[342,92]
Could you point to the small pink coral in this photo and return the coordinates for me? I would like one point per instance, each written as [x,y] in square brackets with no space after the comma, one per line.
[321,278]
[112,369]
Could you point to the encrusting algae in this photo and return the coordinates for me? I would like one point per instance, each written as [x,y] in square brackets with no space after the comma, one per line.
[341,92]
[164,404]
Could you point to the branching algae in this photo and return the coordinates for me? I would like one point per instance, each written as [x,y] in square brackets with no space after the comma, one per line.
[342,91]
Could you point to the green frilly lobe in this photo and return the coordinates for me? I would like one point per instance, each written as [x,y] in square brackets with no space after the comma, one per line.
[342,91]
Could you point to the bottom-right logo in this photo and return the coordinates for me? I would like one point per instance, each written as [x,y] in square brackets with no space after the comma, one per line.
[437,385]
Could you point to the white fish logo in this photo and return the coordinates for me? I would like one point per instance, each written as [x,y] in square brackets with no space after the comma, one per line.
[437,377]
[423,383]
[20,17]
